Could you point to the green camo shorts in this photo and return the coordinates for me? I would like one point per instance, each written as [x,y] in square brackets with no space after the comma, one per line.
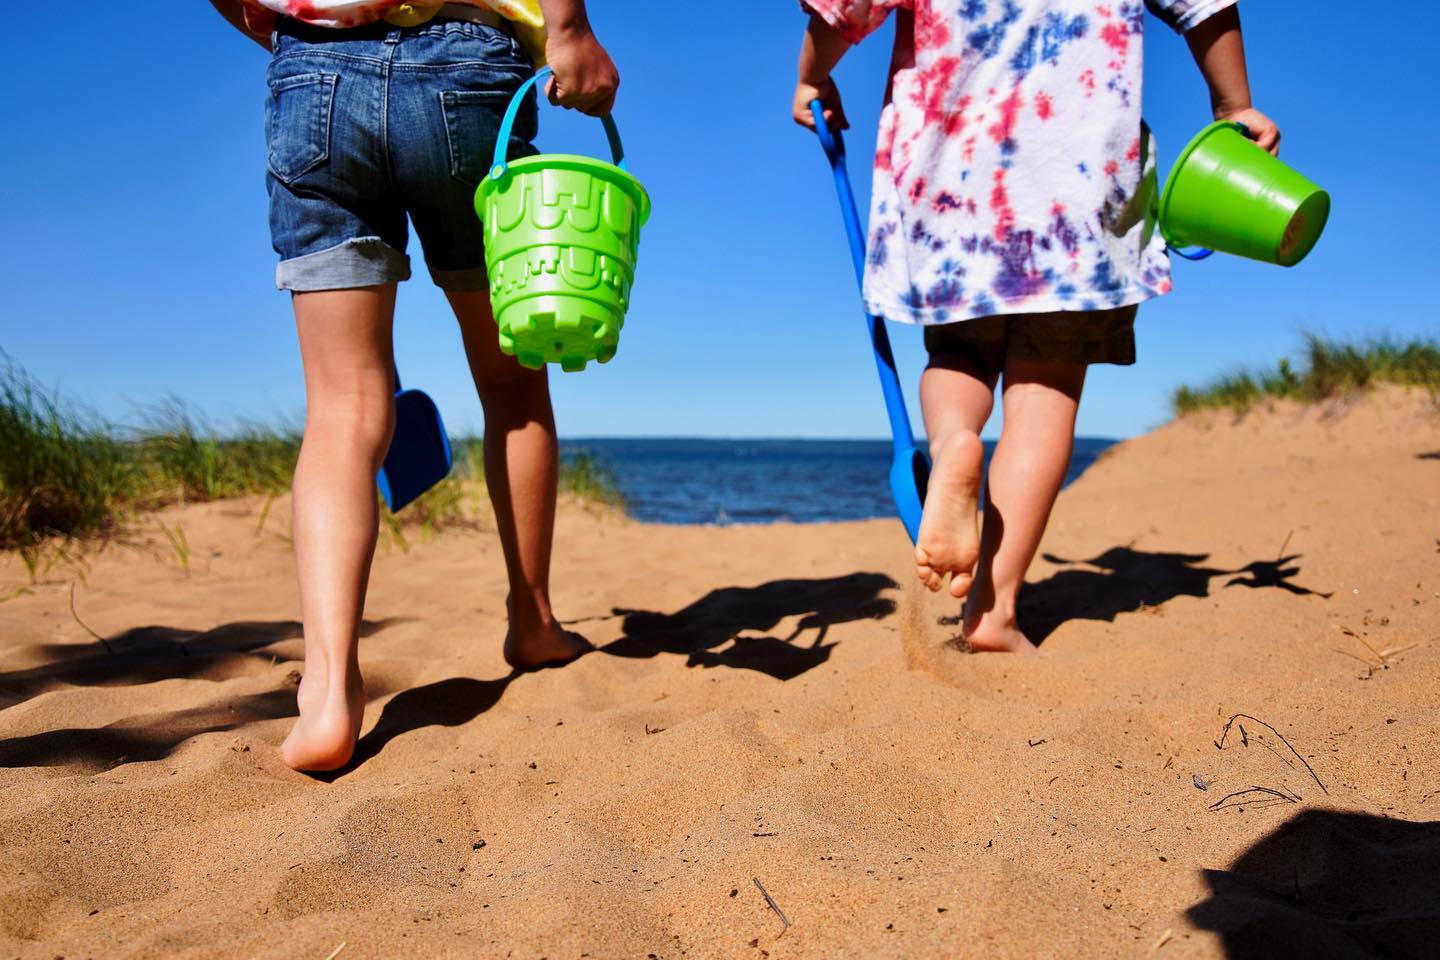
[1071,336]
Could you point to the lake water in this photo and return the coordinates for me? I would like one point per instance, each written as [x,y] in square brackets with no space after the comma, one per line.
[709,481]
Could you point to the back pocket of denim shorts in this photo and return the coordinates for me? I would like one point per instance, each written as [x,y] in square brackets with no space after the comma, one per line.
[472,122]
[297,123]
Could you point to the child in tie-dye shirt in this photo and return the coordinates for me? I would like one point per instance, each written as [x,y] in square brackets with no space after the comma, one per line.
[1013,214]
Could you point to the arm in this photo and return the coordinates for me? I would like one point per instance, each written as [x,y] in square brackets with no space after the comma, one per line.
[820,51]
[234,11]
[585,77]
[1219,51]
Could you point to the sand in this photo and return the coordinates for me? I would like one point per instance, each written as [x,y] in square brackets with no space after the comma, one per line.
[769,703]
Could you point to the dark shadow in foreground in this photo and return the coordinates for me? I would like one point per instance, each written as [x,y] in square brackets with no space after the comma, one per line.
[701,631]
[1330,885]
[1125,580]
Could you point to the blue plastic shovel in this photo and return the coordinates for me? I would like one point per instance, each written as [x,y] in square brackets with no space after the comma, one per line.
[909,468]
[419,455]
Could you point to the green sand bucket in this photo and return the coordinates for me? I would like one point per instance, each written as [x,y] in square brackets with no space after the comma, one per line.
[561,234]
[1226,193]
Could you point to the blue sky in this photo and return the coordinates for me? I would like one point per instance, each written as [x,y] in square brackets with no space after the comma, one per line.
[136,259]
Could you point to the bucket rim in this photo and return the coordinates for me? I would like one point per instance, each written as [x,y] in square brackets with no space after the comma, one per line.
[1195,141]
[624,178]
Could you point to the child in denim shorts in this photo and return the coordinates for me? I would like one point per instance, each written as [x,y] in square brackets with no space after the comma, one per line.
[382,115]
[1013,216]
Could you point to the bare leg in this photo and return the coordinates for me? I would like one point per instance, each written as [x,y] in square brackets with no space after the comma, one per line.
[521,472]
[349,415]
[1026,473]
[956,397]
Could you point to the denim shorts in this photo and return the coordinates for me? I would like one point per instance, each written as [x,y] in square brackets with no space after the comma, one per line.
[369,126]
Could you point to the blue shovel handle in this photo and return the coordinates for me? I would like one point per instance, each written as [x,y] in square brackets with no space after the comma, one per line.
[502,139]
[909,470]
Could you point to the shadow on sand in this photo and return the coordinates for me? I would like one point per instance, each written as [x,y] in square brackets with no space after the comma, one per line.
[151,736]
[707,633]
[1330,884]
[694,632]
[701,631]
[146,655]
[1125,580]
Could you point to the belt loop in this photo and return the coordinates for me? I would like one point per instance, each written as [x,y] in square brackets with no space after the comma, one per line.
[394,35]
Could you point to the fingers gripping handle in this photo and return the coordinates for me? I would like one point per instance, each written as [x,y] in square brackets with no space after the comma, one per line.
[502,139]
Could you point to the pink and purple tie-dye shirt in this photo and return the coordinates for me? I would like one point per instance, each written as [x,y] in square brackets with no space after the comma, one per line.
[1013,173]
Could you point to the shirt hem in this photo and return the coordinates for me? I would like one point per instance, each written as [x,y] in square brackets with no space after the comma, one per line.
[896,312]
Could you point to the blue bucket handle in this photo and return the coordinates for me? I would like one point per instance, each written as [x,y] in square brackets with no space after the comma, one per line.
[502,140]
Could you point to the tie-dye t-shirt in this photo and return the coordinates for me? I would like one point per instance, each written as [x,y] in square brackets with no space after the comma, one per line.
[1013,173]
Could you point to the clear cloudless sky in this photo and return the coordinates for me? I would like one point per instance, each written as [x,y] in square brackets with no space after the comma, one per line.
[136,259]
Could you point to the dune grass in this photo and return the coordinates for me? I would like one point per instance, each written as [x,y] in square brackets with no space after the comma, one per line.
[60,471]
[68,474]
[1327,368]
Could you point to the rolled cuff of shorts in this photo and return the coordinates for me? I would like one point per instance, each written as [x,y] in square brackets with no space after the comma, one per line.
[361,262]
[471,278]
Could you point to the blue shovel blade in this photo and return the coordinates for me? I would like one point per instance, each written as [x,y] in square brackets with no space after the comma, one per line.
[419,455]
[909,476]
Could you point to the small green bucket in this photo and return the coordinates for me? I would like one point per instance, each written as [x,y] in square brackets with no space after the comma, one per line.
[561,234]
[1227,194]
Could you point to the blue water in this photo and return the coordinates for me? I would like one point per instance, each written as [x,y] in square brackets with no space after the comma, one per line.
[762,481]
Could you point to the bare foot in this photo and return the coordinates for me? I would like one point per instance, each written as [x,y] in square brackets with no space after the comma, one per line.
[949,541]
[990,637]
[324,736]
[548,645]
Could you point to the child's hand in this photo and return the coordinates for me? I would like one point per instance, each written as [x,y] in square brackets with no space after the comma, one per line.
[829,96]
[1262,129]
[585,77]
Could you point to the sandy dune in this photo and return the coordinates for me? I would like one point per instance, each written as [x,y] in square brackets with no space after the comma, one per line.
[771,703]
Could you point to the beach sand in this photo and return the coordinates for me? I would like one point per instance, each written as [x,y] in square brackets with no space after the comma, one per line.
[771,703]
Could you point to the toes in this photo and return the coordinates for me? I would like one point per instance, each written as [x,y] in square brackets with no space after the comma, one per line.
[960,585]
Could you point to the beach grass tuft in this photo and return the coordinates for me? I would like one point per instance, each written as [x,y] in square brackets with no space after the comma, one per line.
[68,474]
[62,472]
[588,477]
[1326,369]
